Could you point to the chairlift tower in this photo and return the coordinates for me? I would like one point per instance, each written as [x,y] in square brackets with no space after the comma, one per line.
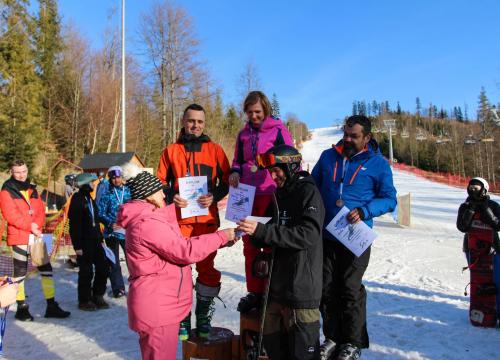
[390,124]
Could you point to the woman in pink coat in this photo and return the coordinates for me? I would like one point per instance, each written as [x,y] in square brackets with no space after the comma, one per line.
[260,133]
[158,259]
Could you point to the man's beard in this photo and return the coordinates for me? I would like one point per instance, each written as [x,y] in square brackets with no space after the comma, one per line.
[349,150]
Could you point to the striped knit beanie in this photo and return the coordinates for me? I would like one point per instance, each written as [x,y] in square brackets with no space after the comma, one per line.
[141,183]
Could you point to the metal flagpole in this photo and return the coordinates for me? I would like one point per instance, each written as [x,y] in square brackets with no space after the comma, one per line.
[124,133]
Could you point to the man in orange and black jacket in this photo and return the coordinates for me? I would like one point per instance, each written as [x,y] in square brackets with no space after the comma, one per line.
[24,211]
[194,154]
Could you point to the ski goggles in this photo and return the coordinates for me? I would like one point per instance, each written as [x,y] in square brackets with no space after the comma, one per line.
[475,188]
[114,174]
[266,161]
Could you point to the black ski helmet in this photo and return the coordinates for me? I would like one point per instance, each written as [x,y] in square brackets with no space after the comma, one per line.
[485,187]
[284,156]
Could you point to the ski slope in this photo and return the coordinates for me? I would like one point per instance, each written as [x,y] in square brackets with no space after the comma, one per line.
[416,306]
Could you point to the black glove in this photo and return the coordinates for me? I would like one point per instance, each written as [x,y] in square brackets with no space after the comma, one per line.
[481,205]
[258,243]
[488,217]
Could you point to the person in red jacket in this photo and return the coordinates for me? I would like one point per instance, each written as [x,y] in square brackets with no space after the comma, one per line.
[194,154]
[24,211]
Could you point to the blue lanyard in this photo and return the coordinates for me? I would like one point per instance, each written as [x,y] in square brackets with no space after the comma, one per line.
[254,140]
[120,199]
[3,324]
[91,210]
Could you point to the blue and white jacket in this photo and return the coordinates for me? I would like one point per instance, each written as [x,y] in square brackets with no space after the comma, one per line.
[366,178]
[108,205]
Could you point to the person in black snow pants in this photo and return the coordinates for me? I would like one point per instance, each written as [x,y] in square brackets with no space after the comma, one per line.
[292,317]
[87,240]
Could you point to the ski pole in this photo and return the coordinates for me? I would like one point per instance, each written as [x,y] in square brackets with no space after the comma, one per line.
[264,306]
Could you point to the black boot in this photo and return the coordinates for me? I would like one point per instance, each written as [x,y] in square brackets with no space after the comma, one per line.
[54,311]
[249,302]
[100,303]
[23,313]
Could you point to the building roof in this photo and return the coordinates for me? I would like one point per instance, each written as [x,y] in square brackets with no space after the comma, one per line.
[106,160]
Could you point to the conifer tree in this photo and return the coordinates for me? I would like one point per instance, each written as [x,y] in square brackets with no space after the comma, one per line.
[275,106]
[20,87]
[484,115]
[49,45]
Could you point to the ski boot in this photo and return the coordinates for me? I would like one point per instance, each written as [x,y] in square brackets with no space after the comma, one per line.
[327,349]
[185,328]
[349,352]
[23,313]
[249,302]
[204,312]
[54,311]
[205,308]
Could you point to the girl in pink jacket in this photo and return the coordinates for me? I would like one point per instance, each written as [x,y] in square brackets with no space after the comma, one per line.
[261,133]
[158,259]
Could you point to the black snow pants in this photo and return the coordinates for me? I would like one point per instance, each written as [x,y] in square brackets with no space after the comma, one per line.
[93,258]
[343,303]
[291,334]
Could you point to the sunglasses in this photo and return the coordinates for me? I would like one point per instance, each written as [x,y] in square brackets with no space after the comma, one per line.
[266,161]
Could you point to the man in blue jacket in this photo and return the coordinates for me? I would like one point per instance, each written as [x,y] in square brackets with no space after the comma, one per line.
[116,194]
[354,174]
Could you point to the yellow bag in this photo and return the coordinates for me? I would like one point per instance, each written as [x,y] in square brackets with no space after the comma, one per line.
[39,254]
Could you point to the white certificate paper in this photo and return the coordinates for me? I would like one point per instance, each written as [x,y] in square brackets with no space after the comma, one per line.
[356,237]
[240,202]
[190,189]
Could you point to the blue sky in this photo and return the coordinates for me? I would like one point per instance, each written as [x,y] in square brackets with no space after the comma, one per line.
[319,56]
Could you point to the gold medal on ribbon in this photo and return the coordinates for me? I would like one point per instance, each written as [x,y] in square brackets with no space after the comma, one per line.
[339,202]
[254,168]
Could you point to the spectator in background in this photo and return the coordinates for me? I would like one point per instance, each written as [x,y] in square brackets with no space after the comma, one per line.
[116,194]
[100,186]
[24,211]
[85,232]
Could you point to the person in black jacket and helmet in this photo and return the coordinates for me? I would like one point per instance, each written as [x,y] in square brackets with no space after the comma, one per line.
[291,326]
[479,211]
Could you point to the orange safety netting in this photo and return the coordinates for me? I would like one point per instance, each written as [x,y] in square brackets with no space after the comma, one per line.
[444,178]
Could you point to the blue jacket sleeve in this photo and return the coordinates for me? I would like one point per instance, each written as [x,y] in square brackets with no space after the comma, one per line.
[385,198]
[316,171]
[102,206]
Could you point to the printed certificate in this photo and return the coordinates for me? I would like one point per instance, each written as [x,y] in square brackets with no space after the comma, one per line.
[356,237]
[190,189]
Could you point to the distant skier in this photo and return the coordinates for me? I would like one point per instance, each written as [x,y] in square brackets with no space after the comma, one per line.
[478,217]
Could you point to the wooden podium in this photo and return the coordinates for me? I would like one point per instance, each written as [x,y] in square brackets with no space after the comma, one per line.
[249,333]
[222,344]
[218,346]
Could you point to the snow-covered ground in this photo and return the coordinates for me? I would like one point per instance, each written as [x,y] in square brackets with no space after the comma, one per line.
[416,307]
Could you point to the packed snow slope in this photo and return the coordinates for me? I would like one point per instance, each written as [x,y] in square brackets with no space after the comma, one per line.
[416,306]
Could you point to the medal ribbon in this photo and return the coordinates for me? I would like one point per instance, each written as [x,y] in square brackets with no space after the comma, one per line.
[91,210]
[254,140]
[120,199]
[345,166]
